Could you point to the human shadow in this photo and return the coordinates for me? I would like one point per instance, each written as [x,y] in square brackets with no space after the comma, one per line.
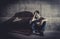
[21,26]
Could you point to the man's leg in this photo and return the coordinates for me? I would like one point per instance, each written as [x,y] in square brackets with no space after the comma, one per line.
[42,28]
[33,28]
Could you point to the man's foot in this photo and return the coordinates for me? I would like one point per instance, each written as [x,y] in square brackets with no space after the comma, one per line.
[34,33]
[37,33]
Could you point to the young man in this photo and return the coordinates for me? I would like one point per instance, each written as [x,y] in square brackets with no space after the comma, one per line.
[35,17]
[38,23]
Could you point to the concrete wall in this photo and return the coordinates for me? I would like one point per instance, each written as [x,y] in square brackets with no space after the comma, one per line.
[50,11]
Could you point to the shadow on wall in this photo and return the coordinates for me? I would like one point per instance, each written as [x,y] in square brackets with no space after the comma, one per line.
[53,24]
[57,26]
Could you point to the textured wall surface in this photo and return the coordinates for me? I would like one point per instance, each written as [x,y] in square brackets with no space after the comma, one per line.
[49,10]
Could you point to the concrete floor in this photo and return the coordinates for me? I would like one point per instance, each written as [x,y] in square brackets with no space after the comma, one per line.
[47,35]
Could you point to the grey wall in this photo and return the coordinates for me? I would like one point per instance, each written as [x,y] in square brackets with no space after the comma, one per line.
[49,10]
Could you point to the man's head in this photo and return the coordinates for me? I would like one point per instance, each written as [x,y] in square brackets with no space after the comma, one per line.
[36,11]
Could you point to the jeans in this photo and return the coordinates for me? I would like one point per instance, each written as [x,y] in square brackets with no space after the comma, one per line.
[33,28]
[41,28]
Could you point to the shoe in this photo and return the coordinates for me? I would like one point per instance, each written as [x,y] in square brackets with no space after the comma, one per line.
[37,33]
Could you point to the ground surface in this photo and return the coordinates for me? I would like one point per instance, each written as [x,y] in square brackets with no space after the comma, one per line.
[47,35]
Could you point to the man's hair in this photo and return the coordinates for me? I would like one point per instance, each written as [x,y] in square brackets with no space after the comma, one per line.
[36,11]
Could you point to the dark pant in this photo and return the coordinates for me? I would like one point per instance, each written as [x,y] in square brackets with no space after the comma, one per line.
[36,28]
